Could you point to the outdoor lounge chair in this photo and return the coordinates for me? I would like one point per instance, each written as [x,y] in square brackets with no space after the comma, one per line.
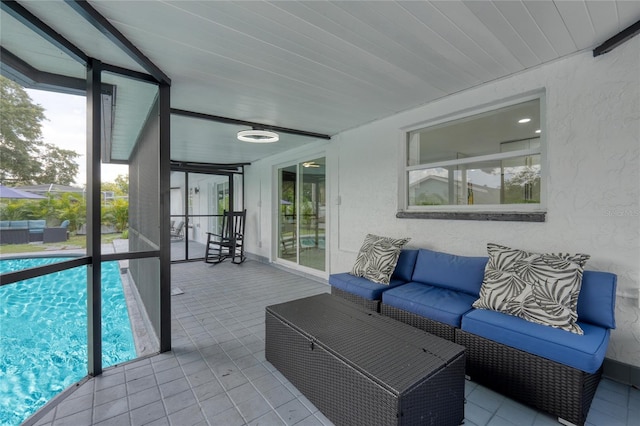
[56,234]
[177,233]
[230,242]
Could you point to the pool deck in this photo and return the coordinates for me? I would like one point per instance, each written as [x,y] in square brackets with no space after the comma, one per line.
[217,374]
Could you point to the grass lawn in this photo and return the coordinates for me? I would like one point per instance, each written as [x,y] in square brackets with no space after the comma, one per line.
[75,241]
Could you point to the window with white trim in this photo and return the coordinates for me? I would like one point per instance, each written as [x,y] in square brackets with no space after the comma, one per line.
[490,161]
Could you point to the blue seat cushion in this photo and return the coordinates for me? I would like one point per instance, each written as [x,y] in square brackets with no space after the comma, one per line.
[436,303]
[584,352]
[361,286]
[462,273]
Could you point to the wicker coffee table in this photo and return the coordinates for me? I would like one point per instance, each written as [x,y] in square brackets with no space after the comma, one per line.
[361,368]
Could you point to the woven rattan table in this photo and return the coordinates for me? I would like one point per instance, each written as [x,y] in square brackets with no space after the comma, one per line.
[361,368]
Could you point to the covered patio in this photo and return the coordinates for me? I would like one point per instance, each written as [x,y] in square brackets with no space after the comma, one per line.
[216,373]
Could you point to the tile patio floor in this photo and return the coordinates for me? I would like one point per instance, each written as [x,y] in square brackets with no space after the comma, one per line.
[216,373]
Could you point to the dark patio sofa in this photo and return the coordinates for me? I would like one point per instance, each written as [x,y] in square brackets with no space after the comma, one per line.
[550,369]
[22,231]
[28,231]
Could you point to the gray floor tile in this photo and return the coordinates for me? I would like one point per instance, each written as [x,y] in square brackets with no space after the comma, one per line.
[148,413]
[216,405]
[230,417]
[477,414]
[144,397]
[269,419]
[179,401]
[190,416]
[278,396]
[110,394]
[253,408]
[171,388]
[111,409]
[293,412]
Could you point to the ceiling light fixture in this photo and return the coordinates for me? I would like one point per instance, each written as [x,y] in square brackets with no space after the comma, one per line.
[258,136]
[310,164]
[524,120]
[538,131]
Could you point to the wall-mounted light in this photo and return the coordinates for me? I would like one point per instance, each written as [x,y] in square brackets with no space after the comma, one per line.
[524,120]
[258,136]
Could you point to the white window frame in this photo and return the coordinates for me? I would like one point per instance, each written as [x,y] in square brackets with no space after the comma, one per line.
[404,168]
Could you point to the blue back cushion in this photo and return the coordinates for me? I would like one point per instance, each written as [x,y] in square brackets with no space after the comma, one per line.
[405,265]
[461,273]
[19,224]
[38,224]
[5,223]
[597,299]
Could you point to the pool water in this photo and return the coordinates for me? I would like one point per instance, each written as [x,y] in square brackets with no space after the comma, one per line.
[43,334]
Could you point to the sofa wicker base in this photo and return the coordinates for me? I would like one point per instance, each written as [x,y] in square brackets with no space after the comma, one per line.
[372,305]
[558,389]
[436,328]
[14,236]
[361,368]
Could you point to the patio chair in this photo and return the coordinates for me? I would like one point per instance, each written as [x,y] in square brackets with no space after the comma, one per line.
[56,234]
[230,242]
[177,233]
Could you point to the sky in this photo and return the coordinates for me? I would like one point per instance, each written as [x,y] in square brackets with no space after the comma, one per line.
[65,127]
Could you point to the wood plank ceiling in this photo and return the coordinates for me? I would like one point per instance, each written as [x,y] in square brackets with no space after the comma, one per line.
[327,67]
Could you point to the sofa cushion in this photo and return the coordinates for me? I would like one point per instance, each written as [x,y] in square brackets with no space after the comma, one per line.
[377,258]
[454,272]
[19,224]
[361,286]
[597,300]
[37,225]
[405,265]
[542,288]
[585,352]
[4,224]
[436,303]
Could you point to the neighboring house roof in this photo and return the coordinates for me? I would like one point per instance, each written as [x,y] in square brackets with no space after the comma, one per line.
[50,187]
[440,179]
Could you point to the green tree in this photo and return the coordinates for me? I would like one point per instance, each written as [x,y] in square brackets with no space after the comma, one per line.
[73,208]
[58,165]
[25,158]
[120,185]
[523,187]
[117,213]
[20,133]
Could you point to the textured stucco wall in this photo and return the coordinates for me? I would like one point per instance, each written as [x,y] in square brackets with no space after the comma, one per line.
[592,112]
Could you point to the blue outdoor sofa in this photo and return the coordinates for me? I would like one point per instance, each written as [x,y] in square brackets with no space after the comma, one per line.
[548,368]
[28,231]
[22,231]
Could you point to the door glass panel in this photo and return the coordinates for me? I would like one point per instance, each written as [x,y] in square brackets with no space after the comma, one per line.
[311,210]
[287,223]
[301,213]
[177,197]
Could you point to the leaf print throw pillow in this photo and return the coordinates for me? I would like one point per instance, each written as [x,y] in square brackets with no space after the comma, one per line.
[541,288]
[378,257]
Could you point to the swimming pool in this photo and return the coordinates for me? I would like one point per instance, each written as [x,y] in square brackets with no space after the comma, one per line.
[43,334]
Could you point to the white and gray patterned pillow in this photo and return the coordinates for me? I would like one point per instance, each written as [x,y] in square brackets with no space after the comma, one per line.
[541,288]
[378,257]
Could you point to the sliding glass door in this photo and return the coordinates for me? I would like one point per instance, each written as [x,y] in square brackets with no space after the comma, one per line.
[301,213]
